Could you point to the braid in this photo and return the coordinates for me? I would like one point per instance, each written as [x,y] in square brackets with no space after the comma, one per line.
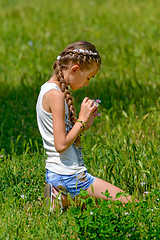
[65,90]
[82,53]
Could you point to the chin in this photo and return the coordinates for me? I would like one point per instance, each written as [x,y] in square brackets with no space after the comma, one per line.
[75,88]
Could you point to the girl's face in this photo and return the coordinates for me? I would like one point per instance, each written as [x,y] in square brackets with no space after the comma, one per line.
[79,78]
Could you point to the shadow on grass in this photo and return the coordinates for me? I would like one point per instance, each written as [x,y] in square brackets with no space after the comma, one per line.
[18,107]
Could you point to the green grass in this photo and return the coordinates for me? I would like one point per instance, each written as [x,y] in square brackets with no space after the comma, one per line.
[123,146]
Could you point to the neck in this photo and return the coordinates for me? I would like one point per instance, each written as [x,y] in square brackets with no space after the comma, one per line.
[53,80]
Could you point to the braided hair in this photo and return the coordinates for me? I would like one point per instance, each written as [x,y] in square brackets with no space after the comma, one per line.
[82,53]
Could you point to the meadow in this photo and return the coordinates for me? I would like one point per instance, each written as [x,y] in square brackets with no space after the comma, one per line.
[123,146]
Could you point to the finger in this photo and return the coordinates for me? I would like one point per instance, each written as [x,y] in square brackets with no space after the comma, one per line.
[90,102]
[85,99]
[94,108]
[95,111]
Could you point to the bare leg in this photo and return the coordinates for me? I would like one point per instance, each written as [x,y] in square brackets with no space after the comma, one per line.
[64,199]
[100,186]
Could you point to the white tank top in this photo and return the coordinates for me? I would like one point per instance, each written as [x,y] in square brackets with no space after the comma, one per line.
[68,162]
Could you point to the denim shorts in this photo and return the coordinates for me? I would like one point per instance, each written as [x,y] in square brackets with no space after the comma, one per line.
[70,183]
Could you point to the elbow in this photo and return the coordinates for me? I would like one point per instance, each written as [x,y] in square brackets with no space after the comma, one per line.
[60,148]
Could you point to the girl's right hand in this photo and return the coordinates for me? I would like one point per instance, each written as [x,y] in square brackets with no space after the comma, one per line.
[87,110]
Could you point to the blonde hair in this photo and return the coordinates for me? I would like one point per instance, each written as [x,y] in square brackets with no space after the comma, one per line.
[74,53]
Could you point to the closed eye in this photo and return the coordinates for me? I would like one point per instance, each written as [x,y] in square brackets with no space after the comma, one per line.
[89,78]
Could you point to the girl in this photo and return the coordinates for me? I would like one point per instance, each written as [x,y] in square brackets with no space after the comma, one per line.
[60,130]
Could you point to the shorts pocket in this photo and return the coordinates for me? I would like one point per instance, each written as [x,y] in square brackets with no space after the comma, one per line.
[81,177]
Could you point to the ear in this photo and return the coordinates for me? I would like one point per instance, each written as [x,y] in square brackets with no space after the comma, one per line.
[74,69]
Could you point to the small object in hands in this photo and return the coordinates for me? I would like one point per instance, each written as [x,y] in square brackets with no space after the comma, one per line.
[83,124]
[96,102]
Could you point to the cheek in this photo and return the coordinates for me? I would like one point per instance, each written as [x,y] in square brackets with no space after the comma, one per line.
[82,80]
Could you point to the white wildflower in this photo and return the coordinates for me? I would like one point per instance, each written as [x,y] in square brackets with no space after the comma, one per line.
[128,235]
[150,210]
[146,192]
[30,43]
[23,196]
[126,213]
[142,183]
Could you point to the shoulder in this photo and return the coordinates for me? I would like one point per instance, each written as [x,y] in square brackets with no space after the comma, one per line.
[54,95]
[55,100]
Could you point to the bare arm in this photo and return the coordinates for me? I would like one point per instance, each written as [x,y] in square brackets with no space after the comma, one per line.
[56,103]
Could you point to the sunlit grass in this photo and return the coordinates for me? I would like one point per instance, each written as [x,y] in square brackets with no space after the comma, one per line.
[123,146]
